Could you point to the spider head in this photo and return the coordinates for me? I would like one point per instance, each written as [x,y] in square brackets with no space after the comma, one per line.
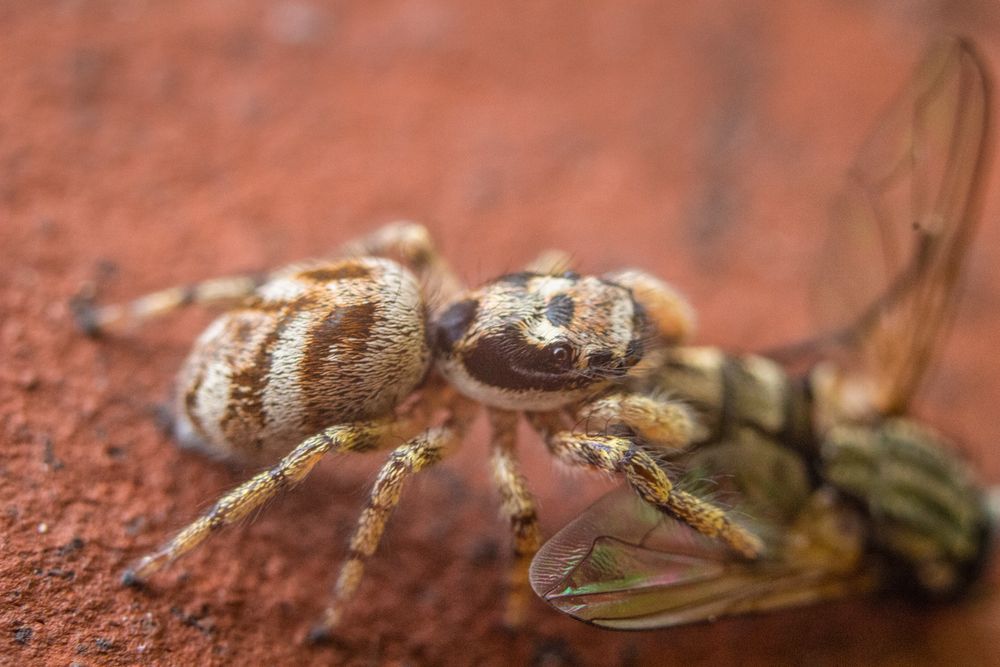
[528,341]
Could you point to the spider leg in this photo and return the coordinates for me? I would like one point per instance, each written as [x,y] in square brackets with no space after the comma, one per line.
[94,320]
[518,505]
[551,262]
[410,244]
[406,242]
[411,457]
[620,455]
[672,317]
[241,501]
[657,420]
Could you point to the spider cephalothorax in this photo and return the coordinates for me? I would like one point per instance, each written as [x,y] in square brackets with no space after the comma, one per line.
[529,341]
[323,357]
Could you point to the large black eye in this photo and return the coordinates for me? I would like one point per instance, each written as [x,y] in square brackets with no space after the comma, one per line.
[561,356]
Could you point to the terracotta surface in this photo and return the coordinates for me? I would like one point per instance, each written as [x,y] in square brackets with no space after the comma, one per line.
[148,144]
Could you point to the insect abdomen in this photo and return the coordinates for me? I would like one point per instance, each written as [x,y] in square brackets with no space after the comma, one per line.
[927,514]
[314,346]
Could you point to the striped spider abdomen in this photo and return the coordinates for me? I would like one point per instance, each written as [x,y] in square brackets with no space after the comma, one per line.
[315,345]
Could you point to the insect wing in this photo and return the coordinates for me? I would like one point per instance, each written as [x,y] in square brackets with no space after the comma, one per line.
[624,565]
[900,231]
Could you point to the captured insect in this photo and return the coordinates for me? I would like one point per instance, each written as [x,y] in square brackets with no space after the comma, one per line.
[848,494]
[383,348]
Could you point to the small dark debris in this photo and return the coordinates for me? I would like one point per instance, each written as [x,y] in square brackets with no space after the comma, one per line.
[130,580]
[71,547]
[68,575]
[485,553]
[135,525]
[199,620]
[81,306]
[29,380]
[115,452]
[104,645]
[81,649]
[22,635]
[49,454]
[320,636]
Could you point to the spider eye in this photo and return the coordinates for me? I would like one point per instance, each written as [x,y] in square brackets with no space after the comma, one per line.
[561,355]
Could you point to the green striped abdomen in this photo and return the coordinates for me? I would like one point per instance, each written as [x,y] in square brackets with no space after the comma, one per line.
[925,514]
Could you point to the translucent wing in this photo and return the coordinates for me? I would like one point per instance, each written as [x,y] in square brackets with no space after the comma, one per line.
[624,565]
[901,229]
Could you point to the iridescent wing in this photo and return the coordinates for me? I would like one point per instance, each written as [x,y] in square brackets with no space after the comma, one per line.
[624,565]
[897,243]
[900,231]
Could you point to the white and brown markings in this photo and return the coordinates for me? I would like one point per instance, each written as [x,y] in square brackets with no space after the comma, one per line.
[384,345]
[315,347]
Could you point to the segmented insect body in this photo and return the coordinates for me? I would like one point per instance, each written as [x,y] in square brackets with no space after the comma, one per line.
[848,494]
[922,505]
[851,510]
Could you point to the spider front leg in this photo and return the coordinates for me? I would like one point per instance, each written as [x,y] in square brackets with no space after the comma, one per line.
[411,457]
[620,455]
[241,501]
[659,421]
[518,505]
[672,316]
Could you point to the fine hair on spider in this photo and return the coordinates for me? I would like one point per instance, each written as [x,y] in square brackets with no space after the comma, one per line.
[381,348]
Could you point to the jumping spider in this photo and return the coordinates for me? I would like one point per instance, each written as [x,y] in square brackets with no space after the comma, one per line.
[323,356]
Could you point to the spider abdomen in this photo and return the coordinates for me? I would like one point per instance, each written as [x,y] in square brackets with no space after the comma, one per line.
[314,346]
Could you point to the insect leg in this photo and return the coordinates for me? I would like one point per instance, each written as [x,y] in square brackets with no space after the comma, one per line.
[94,320]
[620,455]
[241,501]
[663,422]
[411,457]
[518,504]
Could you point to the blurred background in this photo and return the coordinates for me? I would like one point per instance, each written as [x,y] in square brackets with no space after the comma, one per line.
[146,144]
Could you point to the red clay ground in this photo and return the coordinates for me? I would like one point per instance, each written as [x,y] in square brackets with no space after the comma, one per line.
[148,144]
